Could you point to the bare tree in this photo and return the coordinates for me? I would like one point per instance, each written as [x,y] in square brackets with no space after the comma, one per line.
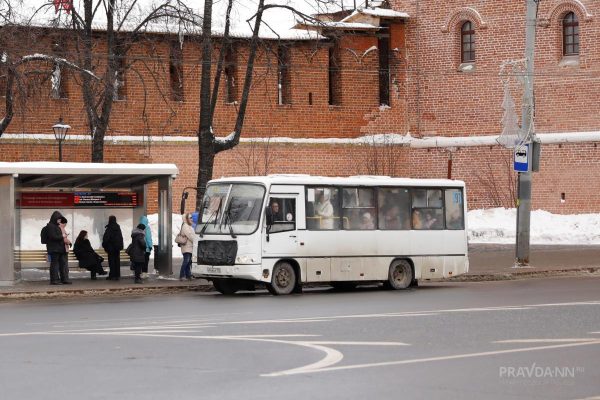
[209,144]
[256,157]
[381,156]
[125,23]
[498,183]
[22,60]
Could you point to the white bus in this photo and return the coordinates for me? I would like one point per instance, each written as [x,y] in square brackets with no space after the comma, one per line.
[289,230]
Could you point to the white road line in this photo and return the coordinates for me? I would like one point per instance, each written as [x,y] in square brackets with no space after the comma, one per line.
[273,321]
[442,358]
[566,340]
[361,343]
[203,318]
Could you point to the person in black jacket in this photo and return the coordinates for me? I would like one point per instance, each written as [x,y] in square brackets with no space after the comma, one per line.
[57,244]
[112,242]
[87,257]
[137,251]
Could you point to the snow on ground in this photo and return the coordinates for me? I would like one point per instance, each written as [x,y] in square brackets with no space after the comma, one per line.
[498,225]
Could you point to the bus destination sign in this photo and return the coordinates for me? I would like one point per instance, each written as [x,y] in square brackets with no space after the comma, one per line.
[105,199]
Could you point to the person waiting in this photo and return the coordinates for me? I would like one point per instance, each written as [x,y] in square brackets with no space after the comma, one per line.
[87,257]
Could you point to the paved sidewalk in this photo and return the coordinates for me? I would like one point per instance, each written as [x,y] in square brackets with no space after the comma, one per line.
[487,262]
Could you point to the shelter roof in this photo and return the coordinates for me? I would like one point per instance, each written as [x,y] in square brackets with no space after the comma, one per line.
[85,175]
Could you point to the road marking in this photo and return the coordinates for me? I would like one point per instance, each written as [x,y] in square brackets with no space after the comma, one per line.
[362,343]
[441,358]
[567,340]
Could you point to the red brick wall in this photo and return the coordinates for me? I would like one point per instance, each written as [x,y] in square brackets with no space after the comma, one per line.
[429,96]
[570,168]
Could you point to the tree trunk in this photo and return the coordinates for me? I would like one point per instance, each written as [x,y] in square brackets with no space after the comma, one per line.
[206,153]
[10,82]
[98,144]
[205,135]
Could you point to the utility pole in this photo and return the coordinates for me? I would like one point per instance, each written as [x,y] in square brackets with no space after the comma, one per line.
[524,179]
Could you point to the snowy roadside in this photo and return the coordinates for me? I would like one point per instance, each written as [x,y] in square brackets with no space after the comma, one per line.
[498,225]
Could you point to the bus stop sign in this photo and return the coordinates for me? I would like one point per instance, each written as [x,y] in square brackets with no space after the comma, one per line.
[521,163]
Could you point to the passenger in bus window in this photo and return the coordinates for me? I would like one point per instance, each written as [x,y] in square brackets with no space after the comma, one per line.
[390,218]
[453,219]
[324,210]
[367,222]
[417,220]
[430,221]
[275,212]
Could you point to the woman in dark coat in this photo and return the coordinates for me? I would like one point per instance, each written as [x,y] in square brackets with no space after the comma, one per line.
[87,257]
[112,243]
[137,251]
[57,243]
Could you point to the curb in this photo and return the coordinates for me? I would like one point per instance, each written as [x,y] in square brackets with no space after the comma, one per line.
[527,274]
[115,291]
[207,287]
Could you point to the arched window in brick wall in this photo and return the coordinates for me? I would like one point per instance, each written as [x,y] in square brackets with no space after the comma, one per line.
[570,35]
[467,43]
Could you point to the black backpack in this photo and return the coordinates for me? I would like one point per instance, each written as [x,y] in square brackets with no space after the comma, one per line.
[44,235]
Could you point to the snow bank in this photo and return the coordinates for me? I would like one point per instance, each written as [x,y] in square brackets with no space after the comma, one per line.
[498,225]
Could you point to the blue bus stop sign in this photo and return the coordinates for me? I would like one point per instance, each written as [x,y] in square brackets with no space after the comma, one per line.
[521,163]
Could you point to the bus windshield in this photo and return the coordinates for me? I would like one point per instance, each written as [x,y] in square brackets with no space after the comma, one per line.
[231,208]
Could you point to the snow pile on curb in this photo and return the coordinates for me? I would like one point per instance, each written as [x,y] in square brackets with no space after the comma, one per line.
[498,225]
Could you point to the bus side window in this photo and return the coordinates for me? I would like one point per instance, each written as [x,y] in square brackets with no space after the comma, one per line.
[394,209]
[454,209]
[283,214]
[358,209]
[322,212]
[428,211]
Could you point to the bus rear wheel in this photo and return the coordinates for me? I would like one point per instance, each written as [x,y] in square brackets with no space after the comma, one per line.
[400,275]
[283,280]
[225,286]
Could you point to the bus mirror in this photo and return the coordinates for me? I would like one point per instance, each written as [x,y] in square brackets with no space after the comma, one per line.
[269,215]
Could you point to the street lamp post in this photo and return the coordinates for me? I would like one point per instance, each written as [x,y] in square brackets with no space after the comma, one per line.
[60,133]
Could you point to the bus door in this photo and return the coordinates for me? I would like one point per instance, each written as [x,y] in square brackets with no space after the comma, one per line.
[281,234]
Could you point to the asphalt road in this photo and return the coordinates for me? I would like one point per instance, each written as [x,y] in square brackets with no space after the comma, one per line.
[529,339]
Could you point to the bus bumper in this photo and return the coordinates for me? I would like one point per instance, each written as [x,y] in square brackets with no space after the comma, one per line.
[253,272]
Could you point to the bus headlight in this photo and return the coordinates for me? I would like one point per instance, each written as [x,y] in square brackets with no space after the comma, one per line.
[246,259]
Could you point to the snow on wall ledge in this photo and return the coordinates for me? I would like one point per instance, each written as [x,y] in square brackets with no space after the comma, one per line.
[380,139]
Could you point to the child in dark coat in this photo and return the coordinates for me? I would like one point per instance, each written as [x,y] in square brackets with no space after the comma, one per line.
[137,251]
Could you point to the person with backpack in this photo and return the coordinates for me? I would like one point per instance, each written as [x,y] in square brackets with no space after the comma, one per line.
[112,243]
[57,242]
[87,256]
[148,239]
[137,251]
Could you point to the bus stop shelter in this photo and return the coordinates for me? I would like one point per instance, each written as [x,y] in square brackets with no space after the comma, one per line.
[88,192]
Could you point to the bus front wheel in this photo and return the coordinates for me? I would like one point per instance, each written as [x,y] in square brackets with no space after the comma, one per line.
[283,280]
[400,275]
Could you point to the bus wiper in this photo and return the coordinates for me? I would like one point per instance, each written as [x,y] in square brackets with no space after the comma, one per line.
[228,219]
[213,215]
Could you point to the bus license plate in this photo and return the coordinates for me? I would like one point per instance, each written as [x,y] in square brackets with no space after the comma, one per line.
[213,270]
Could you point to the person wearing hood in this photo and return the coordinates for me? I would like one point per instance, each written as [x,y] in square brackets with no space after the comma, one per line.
[112,243]
[148,240]
[87,257]
[137,251]
[57,246]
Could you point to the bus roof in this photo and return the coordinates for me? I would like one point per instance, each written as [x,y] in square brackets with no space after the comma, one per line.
[360,180]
